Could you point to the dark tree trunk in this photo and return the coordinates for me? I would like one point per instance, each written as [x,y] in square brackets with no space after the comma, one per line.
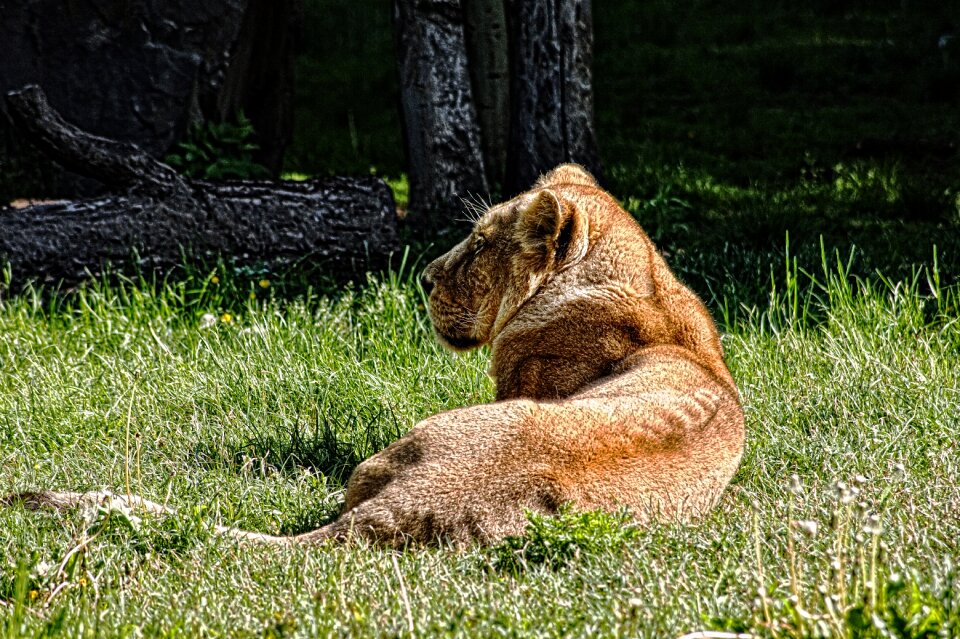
[495,93]
[440,118]
[135,71]
[142,71]
[347,224]
[551,52]
[486,23]
[260,79]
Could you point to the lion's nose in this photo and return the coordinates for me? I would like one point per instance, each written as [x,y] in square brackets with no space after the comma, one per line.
[426,283]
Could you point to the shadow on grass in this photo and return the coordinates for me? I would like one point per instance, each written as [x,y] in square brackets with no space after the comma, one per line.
[329,445]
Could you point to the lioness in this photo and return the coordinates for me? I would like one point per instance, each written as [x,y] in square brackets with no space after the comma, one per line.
[611,385]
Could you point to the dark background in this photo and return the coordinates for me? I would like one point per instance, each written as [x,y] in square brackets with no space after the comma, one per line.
[723,126]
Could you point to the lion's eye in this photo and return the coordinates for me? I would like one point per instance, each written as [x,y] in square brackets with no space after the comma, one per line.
[479,242]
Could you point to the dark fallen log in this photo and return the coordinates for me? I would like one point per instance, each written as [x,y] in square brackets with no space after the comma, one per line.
[346,224]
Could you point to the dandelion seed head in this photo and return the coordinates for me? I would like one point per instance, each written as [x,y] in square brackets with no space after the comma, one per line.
[795,484]
[873,525]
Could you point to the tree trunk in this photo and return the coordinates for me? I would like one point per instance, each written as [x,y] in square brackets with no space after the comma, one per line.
[551,52]
[142,71]
[347,224]
[440,119]
[260,79]
[134,71]
[486,31]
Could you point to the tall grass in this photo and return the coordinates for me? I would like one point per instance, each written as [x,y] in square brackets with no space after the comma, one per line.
[842,521]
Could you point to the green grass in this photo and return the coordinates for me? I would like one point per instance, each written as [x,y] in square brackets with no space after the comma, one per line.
[797,165]
[257,419]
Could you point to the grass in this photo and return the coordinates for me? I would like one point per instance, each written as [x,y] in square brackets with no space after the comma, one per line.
[797,165]
[842,521]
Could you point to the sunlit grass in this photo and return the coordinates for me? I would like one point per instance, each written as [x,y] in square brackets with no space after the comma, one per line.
[842,518]
[726,130]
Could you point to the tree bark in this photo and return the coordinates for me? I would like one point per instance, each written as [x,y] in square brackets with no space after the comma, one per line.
[260,79]
[440,119]
[486,31]
[143,71]
[135,71]
[551,53]
[346,224]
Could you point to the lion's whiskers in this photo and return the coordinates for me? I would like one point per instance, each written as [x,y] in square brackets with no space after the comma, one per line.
[475,207]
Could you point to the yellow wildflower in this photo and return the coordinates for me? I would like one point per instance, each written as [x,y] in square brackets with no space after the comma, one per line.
[227,318]
[264,283]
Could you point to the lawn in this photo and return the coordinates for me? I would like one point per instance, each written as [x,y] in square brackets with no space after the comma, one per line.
[798,168]
[842,521]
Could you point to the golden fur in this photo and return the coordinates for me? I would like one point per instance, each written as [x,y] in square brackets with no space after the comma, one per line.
[611,385]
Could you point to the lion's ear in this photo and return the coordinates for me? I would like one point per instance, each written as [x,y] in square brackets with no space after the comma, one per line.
[552,231]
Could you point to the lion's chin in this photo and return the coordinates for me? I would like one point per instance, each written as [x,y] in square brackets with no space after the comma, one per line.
[458,343]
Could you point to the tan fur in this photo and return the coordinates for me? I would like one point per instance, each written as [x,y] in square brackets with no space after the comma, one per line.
[611,385]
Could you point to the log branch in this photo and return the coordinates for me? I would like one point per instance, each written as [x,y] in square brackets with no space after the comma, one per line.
[121,164]
[347,225]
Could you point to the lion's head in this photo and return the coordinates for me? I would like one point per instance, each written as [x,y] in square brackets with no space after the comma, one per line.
[513,249]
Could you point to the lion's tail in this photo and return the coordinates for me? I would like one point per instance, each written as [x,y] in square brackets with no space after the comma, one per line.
[58,500]
[63,500]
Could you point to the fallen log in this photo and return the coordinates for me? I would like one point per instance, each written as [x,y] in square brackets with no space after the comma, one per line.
[345,225]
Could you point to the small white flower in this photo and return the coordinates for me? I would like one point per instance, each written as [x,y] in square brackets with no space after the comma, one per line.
[43,568]
[795,484]
[844,492]
[873,525]
[208,320]
[807,527]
